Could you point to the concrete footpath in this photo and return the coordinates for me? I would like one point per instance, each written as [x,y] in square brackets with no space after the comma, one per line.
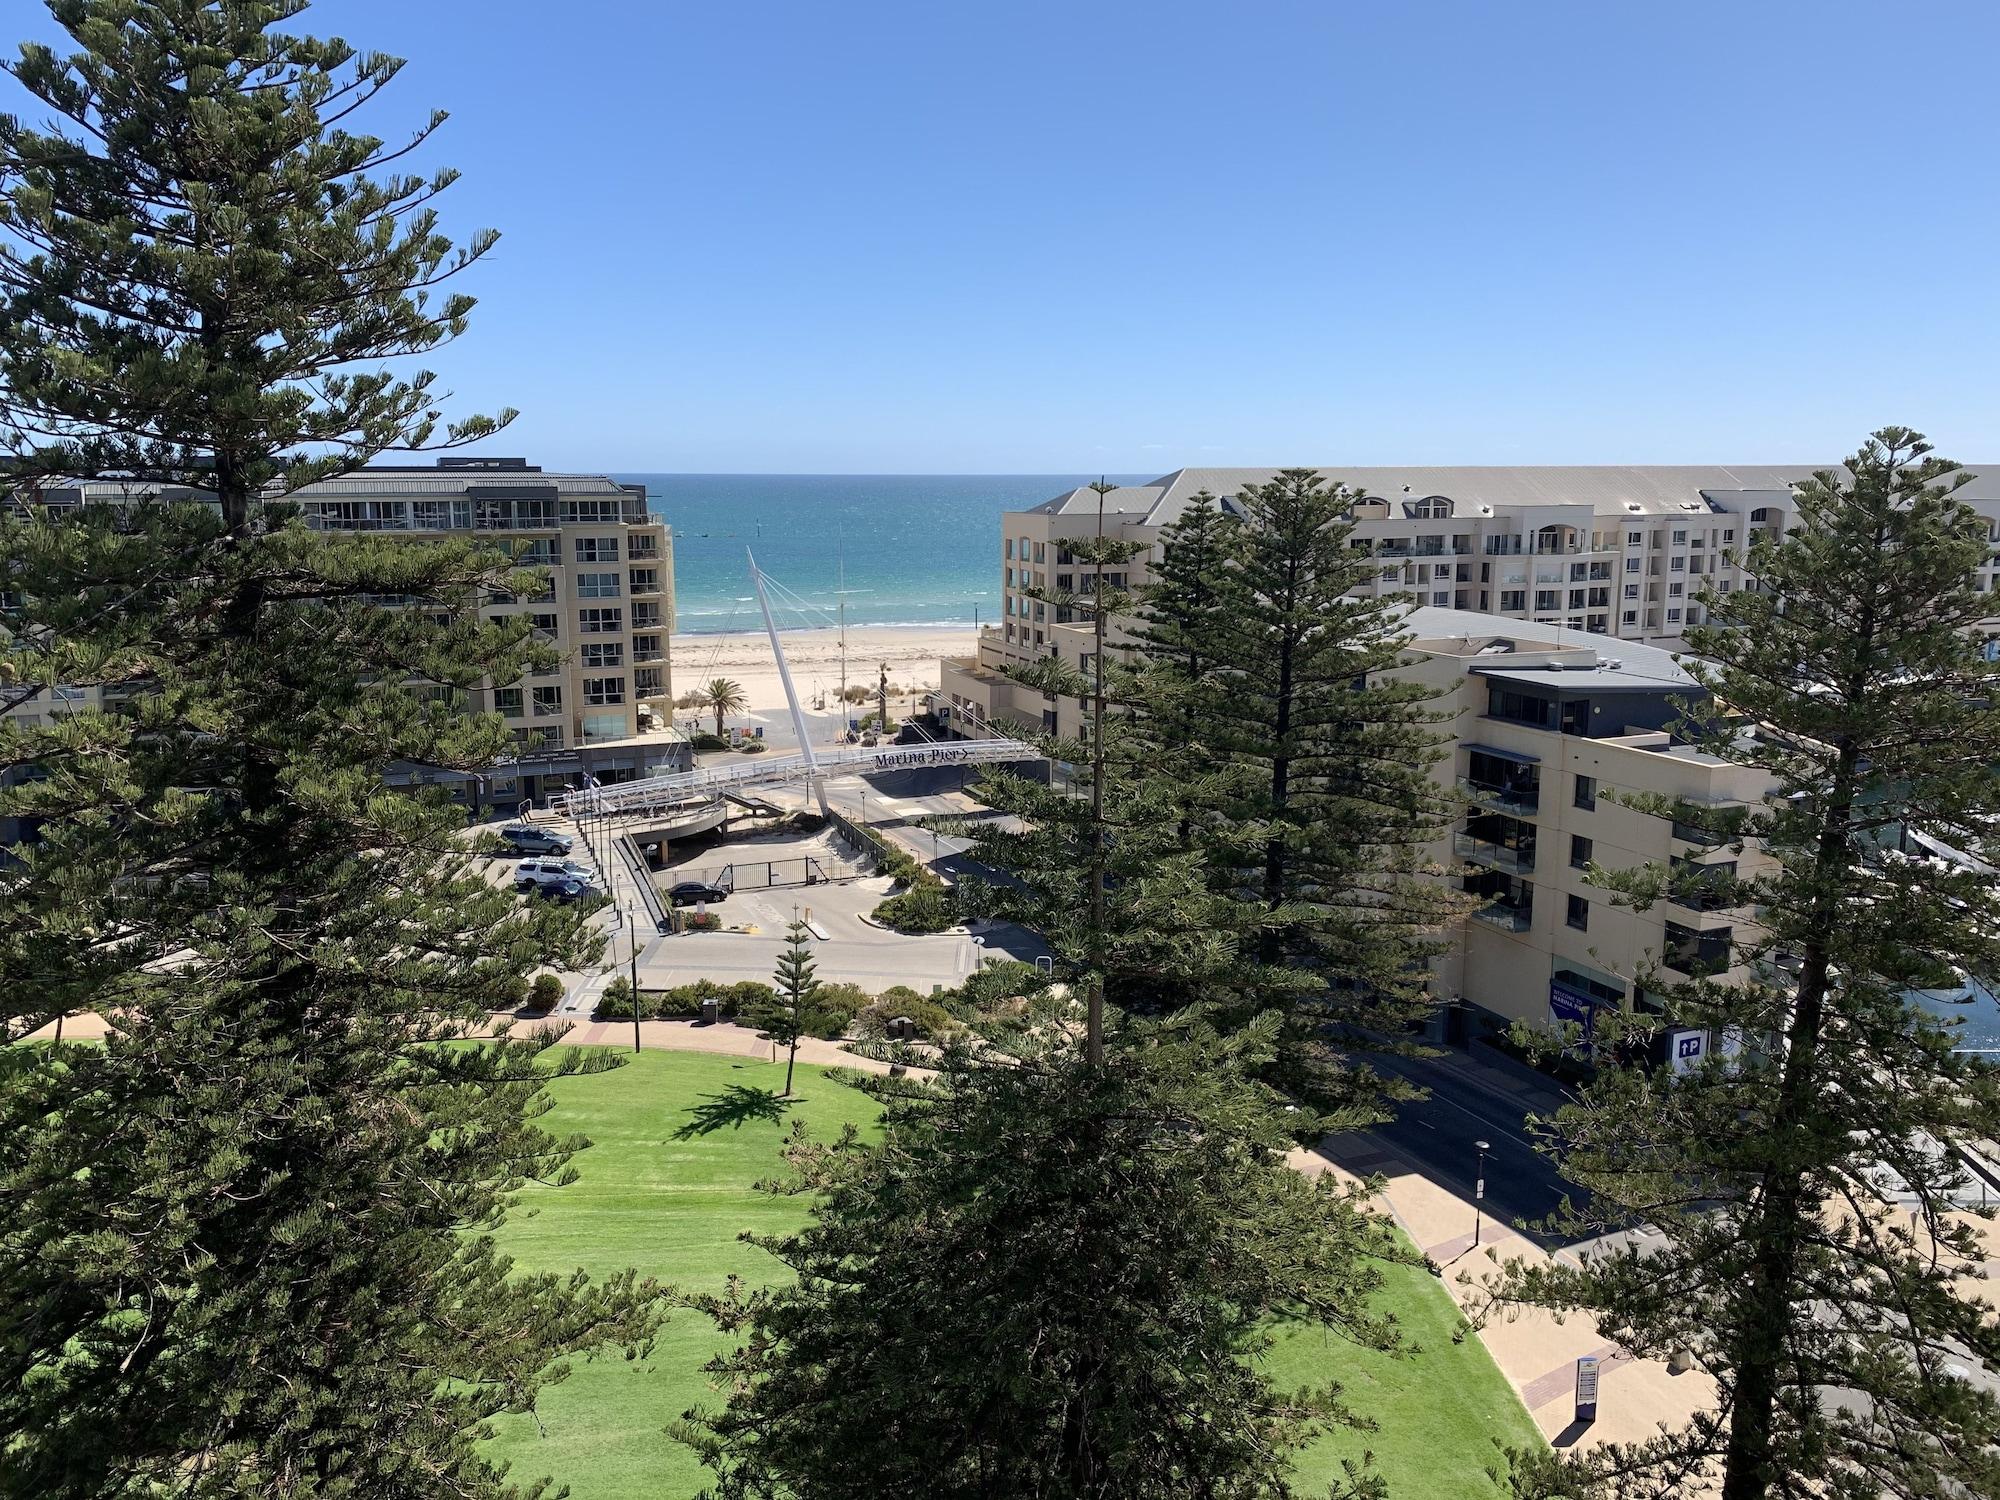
[1537,1354]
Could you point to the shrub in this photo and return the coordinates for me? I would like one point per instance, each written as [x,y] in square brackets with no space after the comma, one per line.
[703,921]
[685,1000]
[753,747]
[925,907]
[618,993]
[546,993]
[707,741]
[934,1022]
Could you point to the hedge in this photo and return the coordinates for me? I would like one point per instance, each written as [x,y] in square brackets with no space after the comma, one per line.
[682,1000]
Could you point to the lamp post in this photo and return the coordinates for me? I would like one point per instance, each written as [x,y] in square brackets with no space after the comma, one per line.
[1479,1189]
[632,928]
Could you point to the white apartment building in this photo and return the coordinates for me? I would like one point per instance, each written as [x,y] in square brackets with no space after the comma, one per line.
[605,709]
[1618,552]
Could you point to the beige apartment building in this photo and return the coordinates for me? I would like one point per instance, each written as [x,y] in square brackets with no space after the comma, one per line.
[605,710]
[1548,738]
[1617,552]
[1546,606]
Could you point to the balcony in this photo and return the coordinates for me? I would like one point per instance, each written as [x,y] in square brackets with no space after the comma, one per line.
[1514,860]
[1515,798]
[1506,916]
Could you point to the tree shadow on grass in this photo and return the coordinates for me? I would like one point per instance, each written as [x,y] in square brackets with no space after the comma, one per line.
[735,1106]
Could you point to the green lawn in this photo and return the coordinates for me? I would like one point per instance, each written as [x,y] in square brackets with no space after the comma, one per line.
[660,1195]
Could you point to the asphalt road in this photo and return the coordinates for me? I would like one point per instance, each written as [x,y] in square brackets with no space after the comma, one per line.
[1474,1095]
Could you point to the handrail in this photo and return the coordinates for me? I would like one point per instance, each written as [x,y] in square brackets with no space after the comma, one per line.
[655,792]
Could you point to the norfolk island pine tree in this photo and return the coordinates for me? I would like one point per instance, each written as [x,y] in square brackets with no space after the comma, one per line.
[1831,1315]
[245,1248]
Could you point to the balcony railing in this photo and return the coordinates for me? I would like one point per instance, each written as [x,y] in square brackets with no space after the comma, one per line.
[1506,917]
[1513,860]
[1508,799]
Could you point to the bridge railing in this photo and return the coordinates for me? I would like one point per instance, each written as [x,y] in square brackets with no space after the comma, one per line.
[655,792]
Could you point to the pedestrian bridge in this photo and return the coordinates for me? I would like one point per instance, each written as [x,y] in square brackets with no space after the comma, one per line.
[658,793]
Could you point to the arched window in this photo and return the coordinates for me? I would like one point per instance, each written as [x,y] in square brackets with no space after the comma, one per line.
[1760,515]
[1432,508]
[1371,510]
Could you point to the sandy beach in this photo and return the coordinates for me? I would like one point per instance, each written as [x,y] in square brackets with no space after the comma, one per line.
[910,652]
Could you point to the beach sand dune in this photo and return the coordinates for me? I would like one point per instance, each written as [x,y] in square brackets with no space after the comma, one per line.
[910,652]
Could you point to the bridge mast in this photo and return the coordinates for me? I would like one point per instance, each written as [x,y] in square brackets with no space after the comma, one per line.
[814,774]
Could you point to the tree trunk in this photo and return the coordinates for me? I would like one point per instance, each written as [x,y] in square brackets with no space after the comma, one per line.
[1750,1469]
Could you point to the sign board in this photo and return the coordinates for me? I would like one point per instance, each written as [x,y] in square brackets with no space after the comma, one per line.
[1586,1388]
[1568,1005]
[1686,1050]
[1479,1189]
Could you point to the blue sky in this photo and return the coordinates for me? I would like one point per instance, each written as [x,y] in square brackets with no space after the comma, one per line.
[889,237]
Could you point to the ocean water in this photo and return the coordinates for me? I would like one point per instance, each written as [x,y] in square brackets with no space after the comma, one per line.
[916,549]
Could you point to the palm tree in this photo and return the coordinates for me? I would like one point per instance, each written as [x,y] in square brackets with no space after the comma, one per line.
[725,697]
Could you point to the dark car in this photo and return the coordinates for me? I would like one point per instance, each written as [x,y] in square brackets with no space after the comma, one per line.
[526,840]
[561,890]
[692,892]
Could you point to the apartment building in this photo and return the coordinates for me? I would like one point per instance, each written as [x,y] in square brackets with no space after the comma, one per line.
[1617,552]
[605,708]
[1551,733]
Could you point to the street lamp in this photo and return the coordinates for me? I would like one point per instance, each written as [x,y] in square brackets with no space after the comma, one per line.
[1479,1189]
[632,928]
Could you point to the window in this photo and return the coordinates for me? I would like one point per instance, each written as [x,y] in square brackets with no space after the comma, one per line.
[1631,564]
[603,727]
[1041,551]
[1680,538]
[1673,616]
[1512,599]
[1578,915]
[646,616]
[1677,565]
[548,702]
[1548,599]
[645,547]
[1635,538]
[507,700]
[1631,591]
[1063,558]
[1010,578]
[1722,587]
[649,682]
[604,654]
[1586,792]
[645,580]
[1695,952]
[1728,534]
[646,648]
[1066,581]
[1675,590]
[598,691]
[1631,617]
[1579,851]
[597,549]
[597,585]
[1441,599]
[1010,549]
[600,621]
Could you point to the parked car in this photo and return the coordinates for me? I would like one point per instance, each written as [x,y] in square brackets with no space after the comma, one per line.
[533,872]
[693,892]
[563,890]
[526,840]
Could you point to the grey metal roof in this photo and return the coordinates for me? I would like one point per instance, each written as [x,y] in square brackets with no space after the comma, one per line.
[1432,628]
[1607,489]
